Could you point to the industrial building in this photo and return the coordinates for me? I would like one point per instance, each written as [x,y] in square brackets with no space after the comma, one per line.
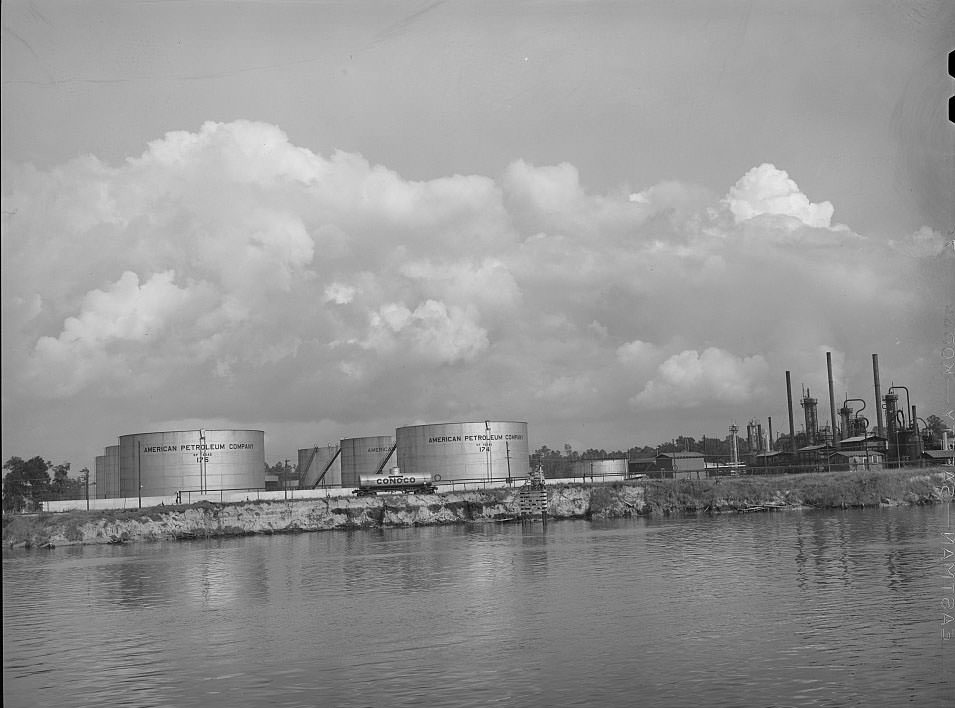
[670,465]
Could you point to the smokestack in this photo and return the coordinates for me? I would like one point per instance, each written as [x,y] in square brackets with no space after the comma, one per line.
[770,446]
[878,395]
[789,401]
[832,401]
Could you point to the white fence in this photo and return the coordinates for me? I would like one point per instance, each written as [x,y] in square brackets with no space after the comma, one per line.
[250,495]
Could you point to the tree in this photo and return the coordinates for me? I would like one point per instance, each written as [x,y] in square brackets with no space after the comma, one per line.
[936,425]
[60,483]
[286,473]
[26,484]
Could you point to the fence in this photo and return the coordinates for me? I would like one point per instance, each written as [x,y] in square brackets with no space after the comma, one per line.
[223,496]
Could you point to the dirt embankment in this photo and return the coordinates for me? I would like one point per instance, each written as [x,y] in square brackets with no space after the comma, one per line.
[837,490]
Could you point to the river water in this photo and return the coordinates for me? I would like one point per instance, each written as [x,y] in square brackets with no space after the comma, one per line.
[780,609]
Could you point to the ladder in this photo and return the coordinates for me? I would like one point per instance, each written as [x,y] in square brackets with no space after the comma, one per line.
[384,460]
[532,502]
[306,475]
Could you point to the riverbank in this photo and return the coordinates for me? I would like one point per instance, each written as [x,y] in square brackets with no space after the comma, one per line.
[834,490]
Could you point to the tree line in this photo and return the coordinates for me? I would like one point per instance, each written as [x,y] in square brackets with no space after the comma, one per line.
[29,483]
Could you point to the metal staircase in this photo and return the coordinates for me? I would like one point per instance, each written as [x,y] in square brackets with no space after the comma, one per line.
[307,475]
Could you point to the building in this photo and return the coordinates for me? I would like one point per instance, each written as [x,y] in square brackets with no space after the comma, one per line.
[848,460]
[670,465]
[813,458]
[939,457]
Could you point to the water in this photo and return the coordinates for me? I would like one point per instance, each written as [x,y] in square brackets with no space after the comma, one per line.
[784,609]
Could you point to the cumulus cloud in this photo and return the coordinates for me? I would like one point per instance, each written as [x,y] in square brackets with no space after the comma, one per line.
[924,243]
[228,273]
[692,378]
[768,190]
[433,332]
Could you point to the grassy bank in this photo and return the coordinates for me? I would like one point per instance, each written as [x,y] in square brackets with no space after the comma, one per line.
[834,490]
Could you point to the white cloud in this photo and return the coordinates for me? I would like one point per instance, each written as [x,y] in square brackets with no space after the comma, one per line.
[638,353]
[434,332]
[692,378]
[768,190]
[228,272]
[340,294]
[924,243]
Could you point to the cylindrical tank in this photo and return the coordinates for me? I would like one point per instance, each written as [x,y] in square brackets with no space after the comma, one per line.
[464,451]
[892,426]
[160,464]
[595,468]
[112,486]
[845,415]
[320,465]
[99,477]
[812,422]
[365,456]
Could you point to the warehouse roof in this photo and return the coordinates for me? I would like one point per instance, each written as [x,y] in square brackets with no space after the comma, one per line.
[863,438]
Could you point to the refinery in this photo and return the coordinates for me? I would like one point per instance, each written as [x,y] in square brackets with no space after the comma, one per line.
[192,464]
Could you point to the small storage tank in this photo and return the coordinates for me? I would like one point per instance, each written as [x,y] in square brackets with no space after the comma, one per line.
[464,451]
[599,468]
[365,456]
[191,460]
[99,477]
[112,486]
[320,466]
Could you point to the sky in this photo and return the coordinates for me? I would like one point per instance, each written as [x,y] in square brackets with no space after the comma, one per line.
[620,222]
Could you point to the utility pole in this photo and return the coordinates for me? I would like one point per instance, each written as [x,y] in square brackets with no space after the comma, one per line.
[285,478]
[139,471]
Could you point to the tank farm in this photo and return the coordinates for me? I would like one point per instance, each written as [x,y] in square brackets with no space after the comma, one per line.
[186,465]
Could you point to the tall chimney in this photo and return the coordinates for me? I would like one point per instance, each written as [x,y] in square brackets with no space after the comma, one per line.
[878,395]
[789,401]
[832,402]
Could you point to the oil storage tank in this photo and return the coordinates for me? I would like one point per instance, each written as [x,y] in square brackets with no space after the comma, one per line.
[111,488]
[99,477]
[600,468]
[481,450]
[319,466]
[162,463]
[365,456]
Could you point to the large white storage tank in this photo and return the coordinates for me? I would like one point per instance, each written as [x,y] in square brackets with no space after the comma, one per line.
[464,451]
[320,466]
[600,468]
[112,486]
[365,456]
[191,460]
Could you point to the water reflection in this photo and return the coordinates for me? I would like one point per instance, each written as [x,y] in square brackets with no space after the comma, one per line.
[761,609]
